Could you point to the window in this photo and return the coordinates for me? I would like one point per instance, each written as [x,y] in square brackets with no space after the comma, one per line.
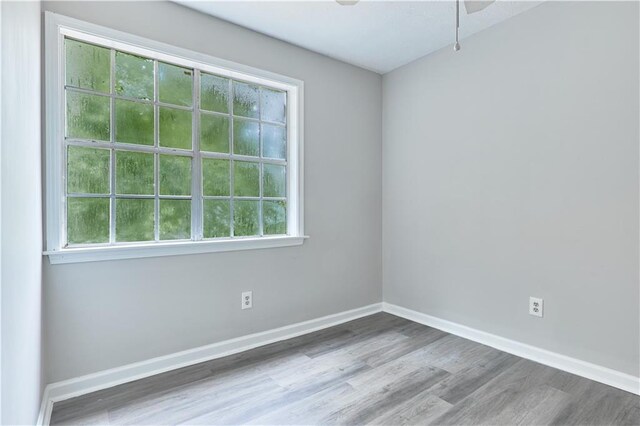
[154,150]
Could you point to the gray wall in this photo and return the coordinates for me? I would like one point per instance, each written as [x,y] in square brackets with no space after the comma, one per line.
[510,169]
[106,314]
[21,243]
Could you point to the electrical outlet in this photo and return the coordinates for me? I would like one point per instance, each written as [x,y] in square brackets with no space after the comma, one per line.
[247,300]
[536,306]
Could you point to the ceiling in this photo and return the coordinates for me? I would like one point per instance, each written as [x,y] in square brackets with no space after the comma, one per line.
[372,34]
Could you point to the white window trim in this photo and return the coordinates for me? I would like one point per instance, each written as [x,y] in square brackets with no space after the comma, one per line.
[56,28]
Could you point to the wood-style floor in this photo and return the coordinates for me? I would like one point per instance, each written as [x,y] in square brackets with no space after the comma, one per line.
[376,370]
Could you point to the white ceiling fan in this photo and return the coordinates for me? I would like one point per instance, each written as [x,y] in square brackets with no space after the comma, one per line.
[472,6]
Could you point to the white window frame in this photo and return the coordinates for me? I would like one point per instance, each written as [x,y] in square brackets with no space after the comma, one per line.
[56,28]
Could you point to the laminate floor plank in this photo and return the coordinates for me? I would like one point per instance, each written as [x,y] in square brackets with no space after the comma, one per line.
[458,386]
[506,393]
[598,404]
[309,410]
[99,417]
[361,348]
[376,370]
[454,354]
[422,409]
[128,393]
[389,353]
[368,404]
[298,390]
[386,374]
[193,401]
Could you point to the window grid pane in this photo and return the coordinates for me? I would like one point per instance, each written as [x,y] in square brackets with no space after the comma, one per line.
[246,119]
[128,119]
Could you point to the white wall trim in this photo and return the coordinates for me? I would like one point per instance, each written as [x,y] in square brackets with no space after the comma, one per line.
[66,389]
[591,371]
[71,388]
[57,27]
[46,407]
[156,249]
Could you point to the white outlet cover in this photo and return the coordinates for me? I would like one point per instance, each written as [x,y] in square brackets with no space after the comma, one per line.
[536,306]
[247,299]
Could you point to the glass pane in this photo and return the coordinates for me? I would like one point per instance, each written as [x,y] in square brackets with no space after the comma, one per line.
[217,219]
[245,100]
[175,219]
[274,217]
[87,220]
[246,180]
[175,175]
[88,170]
[246,218]
[175,128]
[134,173]
[88,116]
[274,183]
[214,133]
[274,141]
[246,137]
[88,66]
[215,177]
[274,105]
[134,76]
[134,122]
[214,95]
[175,84]
[134,220]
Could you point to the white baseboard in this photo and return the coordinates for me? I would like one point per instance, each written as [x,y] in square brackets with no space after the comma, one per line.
[46,407]
[591,371]
[60,391]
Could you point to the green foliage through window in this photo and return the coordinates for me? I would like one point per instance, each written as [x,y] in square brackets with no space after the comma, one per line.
[87,220]
[88,66]
[134,76]
[134,219]
[175,128]
[214,133]
[175,84]
[175,175]
[134,122]
[216,218]
[136,132]
[246,220]
[246,179]
[88,116]
[175,219]
[88,170]
[275,217]
[134,173]
[214,93]
[215,177]
[246,137]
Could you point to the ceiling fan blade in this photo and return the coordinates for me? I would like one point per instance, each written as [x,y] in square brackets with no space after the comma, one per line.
[474,6]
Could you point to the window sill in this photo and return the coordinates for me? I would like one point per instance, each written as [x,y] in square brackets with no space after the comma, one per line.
[96,254]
